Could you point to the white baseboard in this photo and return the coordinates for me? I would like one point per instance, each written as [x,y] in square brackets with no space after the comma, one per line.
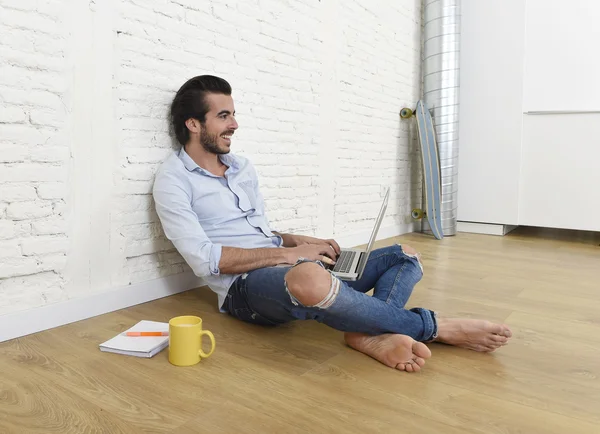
[360,238]
[17,324]
[485,228]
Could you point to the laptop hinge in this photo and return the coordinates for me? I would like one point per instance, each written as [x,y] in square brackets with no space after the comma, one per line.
[360,259]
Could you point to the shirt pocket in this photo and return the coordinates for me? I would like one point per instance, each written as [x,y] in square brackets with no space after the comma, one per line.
[247,196]
[248,202]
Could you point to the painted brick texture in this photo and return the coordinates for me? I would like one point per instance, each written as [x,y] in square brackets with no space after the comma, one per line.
[280,57]
[34,154]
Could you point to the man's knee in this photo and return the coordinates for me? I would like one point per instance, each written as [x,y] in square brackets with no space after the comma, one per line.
[309,283]
[409,250]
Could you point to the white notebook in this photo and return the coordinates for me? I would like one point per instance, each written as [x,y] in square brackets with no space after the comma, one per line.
[144,346]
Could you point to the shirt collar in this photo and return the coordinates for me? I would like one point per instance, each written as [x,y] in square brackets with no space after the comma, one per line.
[187,160]
[231,161]
[191,165]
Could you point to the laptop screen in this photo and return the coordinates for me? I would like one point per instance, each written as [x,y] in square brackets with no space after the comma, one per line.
[378,222]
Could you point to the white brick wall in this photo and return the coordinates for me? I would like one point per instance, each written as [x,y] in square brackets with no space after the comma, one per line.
[378,75]
[33,153]
[281,58]
[258,50]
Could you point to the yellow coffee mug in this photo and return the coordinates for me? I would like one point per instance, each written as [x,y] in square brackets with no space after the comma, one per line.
[185,340]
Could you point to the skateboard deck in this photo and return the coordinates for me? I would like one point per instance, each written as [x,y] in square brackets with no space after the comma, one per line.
[431,168]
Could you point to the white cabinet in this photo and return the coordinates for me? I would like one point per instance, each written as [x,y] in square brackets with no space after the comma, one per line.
[529,169]
[560,172]
[490,124]
[561,63]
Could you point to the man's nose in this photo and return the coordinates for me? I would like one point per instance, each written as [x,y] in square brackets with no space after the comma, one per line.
[234,125]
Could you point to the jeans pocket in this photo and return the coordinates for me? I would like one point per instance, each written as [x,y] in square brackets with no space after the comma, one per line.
[248,315]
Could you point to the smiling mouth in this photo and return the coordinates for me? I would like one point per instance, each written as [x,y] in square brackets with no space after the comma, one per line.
[227,136]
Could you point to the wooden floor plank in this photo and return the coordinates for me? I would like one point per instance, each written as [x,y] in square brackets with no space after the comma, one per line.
[301,377]
[31,404]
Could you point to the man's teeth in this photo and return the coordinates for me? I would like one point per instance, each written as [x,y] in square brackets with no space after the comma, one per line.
[226,137]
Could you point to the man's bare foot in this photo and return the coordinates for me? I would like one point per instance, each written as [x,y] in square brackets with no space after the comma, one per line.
[474,334]
[396,351]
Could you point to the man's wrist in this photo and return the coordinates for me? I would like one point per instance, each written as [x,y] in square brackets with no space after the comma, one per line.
[286,256]
[292,240]
[289,240]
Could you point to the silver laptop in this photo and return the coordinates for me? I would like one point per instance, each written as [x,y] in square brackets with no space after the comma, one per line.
[351,262]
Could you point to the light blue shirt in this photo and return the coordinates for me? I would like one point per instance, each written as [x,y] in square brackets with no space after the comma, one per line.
[201,212]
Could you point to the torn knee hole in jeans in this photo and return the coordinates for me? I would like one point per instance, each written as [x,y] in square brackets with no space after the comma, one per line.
[412,253]
[334,290]
[328,300]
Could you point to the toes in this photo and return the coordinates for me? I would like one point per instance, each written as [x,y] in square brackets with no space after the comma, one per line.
[401,366]
[412,365]
[500,330]
[491,345]
[481,348]
[500,340]
[421,350]
[497,329]
[493,342]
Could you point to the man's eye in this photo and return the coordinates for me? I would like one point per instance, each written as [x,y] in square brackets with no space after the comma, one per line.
[223,116]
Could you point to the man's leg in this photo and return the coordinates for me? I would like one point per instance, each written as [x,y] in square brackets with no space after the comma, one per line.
[392,349]
[272,296]
[310,284]
[281,294]
[392,272]
[307,291]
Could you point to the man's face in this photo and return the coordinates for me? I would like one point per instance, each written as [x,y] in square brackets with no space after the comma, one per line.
[220,124]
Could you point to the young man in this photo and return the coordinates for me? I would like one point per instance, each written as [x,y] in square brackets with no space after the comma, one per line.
[211,208]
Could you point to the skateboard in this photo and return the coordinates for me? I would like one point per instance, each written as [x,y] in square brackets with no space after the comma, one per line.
[431,168]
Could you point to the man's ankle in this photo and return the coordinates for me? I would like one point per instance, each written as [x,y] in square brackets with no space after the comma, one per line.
[442,328]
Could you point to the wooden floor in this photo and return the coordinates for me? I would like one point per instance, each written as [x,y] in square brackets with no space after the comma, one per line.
[302,378]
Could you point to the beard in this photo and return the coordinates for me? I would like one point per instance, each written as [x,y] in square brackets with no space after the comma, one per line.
[210,143]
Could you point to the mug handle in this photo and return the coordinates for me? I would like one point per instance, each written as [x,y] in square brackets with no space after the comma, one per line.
[212,341]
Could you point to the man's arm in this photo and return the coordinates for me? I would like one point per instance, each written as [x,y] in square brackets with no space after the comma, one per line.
[289,240]
[181,226]
[235,260]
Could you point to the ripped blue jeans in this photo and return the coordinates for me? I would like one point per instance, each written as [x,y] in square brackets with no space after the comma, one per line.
[261,297]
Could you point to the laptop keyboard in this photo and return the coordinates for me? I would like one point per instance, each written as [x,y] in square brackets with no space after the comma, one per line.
[344,261]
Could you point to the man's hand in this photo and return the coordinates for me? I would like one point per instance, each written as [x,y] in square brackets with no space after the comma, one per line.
[315,252]
[301,240]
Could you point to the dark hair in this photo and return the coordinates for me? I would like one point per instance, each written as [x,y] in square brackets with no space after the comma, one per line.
[190,102]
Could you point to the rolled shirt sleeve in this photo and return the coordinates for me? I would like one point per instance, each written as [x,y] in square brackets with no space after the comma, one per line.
[180,224]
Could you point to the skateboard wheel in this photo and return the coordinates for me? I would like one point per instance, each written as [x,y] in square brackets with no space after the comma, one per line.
[405,113]
[417,214]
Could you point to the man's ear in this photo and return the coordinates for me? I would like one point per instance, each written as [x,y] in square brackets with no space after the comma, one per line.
[193,125]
